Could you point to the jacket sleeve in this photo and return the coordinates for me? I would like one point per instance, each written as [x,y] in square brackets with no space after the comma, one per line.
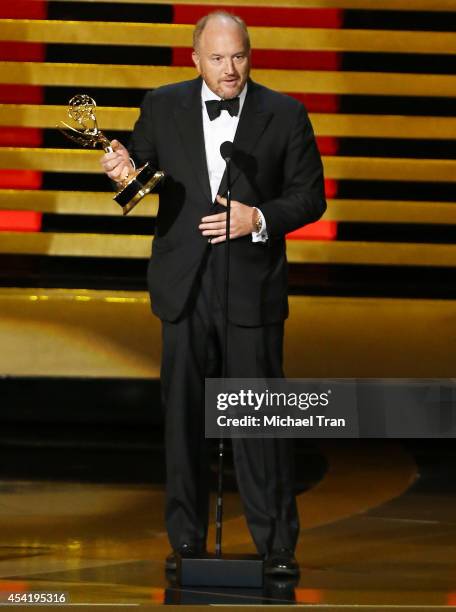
[142,142]
[302,199]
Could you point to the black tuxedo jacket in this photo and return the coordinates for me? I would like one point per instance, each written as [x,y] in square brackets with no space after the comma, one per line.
[275,167]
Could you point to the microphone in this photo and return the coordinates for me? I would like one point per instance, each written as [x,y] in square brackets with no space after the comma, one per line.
[226,150]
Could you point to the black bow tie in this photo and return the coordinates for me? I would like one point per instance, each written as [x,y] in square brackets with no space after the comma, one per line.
[215,107]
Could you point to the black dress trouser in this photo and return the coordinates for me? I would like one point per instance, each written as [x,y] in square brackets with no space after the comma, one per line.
[191,353]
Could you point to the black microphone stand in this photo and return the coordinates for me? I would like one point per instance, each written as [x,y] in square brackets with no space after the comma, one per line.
[221,445]
[218,570]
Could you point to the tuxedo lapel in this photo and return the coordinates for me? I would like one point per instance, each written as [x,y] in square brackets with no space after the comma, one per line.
[189,120]
[252,123]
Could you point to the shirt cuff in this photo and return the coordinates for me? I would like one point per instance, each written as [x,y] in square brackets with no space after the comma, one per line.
[263,235]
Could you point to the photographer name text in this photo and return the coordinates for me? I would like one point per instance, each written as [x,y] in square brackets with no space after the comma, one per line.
[317,420]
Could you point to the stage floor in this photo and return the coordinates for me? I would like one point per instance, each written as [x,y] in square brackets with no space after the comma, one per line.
[378,532]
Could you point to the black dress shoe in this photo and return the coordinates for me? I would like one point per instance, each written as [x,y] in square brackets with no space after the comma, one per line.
[281,562]
[186,551]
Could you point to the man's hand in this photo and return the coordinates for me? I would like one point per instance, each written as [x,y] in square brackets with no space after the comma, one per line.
[242,222]
[117,164]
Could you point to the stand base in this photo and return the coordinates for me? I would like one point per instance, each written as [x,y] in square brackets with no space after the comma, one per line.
[226,571]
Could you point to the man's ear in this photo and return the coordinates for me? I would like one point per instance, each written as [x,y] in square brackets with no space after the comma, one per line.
[196,61]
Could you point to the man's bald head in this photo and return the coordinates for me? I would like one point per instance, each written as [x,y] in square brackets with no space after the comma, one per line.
[220,18]
[222,53]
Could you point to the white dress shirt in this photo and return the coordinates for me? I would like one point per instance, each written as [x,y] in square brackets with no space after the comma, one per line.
[216,132]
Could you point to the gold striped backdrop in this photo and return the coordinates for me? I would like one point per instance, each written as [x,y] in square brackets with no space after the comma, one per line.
[354,83]
[176,35]
[298,81]
[314,81]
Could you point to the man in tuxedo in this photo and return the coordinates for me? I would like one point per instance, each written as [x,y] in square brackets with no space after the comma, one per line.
[277,186]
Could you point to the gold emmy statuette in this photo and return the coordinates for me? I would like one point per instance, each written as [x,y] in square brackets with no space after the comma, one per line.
[85,132]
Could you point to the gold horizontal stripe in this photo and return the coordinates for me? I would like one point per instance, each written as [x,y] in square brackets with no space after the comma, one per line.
[100,203]
[72,202]
[48,116]
[371,253]
[390,211]
[325,124]
[110,245]
[178,35]
[51,160]
[384,169]
[298,81]
[363,168]
[391,5]
[383,126]
[77,245]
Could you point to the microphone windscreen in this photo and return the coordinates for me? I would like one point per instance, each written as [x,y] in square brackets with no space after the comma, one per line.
[226,149]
